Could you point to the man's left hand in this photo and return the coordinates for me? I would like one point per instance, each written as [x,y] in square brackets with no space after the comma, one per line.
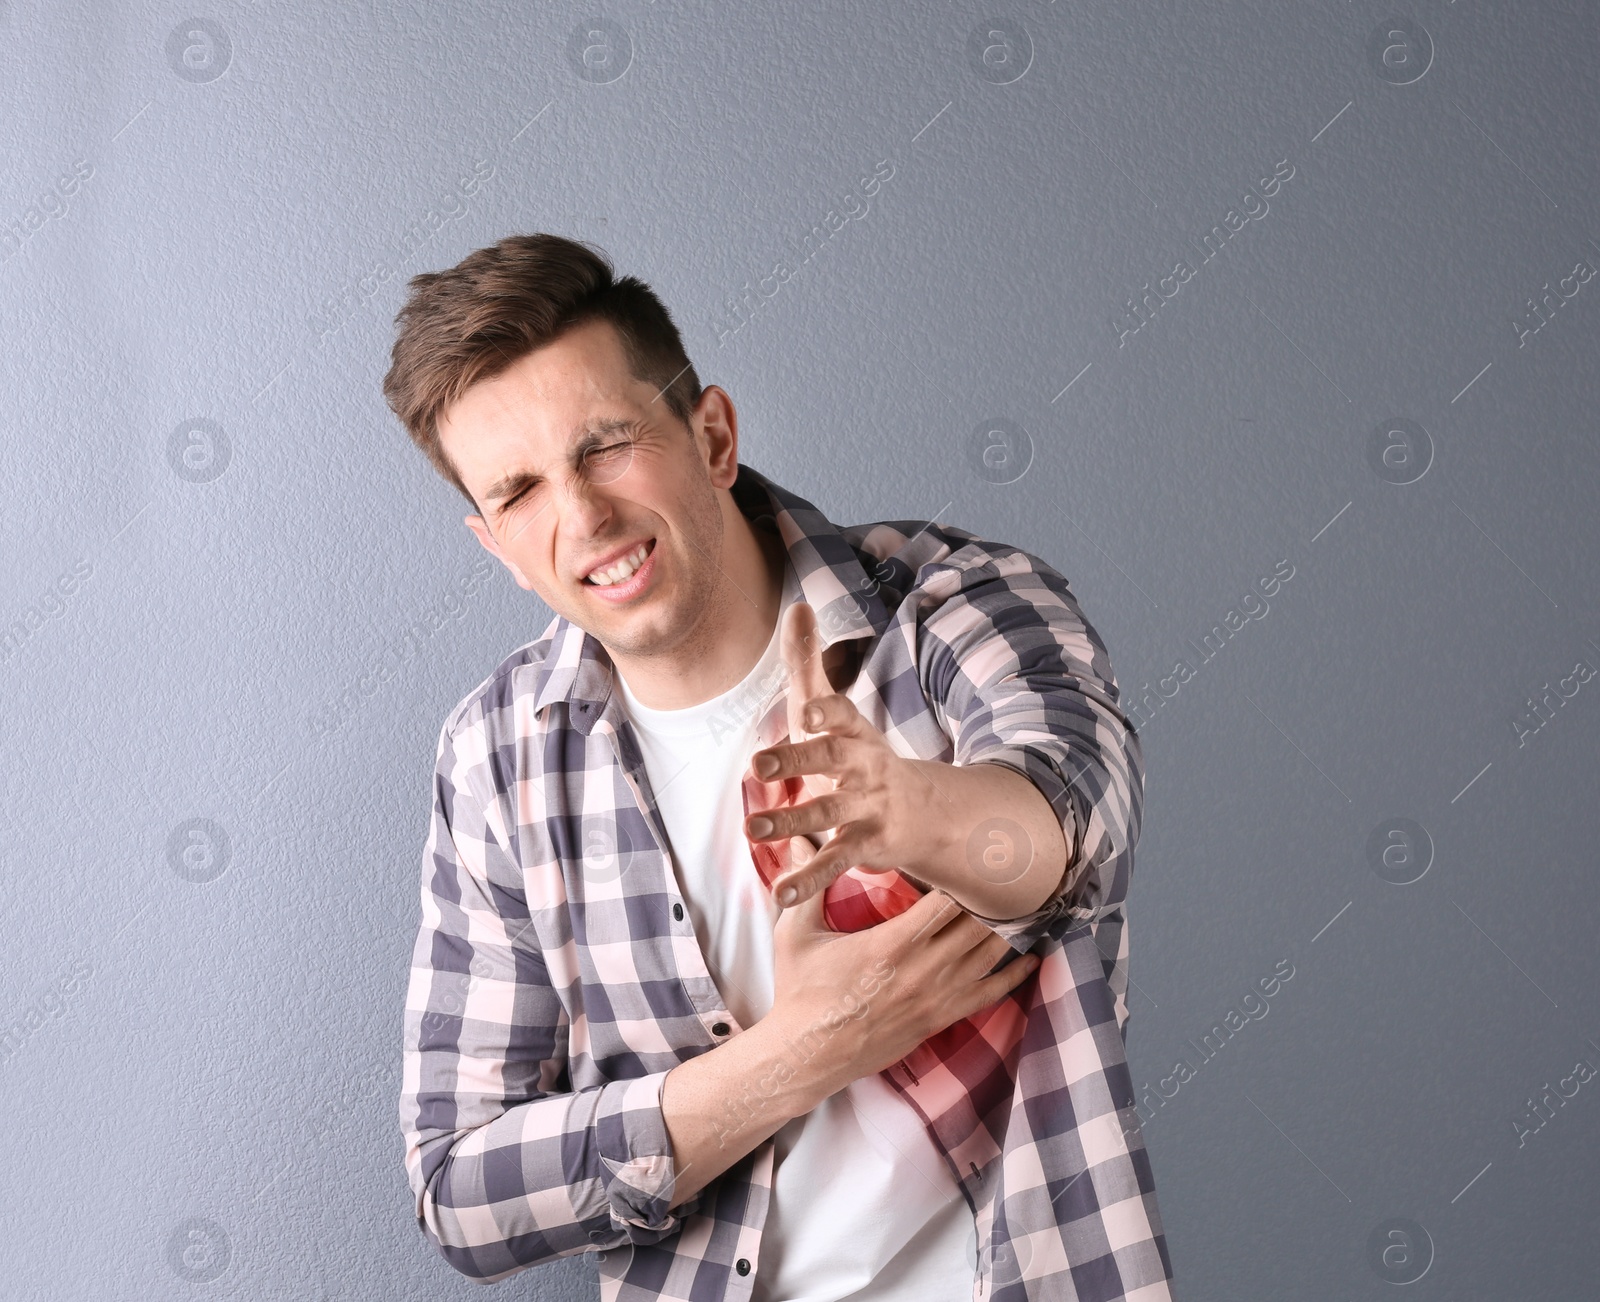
[877,803]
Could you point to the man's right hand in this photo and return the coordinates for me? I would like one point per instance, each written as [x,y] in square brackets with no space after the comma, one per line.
[845,1005]
[848,1004]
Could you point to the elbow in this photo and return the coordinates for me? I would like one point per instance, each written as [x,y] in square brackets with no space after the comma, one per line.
[460,1259]
[464,1234]
[487,1263]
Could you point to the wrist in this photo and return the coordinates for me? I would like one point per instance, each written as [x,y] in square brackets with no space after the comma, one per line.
[805,1053]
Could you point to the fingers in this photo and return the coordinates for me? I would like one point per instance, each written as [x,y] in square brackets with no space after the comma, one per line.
[802,881]
[804,916]
[801,851]
[939,915]
[966,948]
[830,810]
[987,951]
[838,855]
[996,987]
[801,645]
[826,755]
[925,919]
[838,716]
[814,879]
[955,940]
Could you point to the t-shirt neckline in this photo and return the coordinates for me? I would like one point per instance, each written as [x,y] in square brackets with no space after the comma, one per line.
[693,718]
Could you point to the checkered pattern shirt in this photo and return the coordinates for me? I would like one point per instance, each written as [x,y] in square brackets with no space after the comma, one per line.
[556,978]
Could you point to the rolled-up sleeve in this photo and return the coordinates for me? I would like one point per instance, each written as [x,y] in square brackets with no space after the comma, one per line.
[1021,678]
[510,1167]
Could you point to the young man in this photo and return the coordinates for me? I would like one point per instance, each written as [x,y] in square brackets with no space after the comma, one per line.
[772,940]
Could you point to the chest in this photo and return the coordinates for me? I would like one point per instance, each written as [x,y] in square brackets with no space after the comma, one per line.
[635,862]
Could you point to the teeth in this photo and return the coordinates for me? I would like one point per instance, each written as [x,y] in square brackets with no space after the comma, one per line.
[622,570]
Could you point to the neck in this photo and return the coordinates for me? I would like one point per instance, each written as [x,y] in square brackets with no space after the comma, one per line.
[739,620]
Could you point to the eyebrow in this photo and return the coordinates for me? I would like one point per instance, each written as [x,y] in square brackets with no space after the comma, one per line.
[586,438]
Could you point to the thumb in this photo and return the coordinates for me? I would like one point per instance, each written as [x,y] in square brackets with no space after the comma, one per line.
[801,644]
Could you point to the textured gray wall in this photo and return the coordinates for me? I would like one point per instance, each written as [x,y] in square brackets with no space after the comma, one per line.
[215,533]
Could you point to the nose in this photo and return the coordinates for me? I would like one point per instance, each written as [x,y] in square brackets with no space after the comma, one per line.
[584,508]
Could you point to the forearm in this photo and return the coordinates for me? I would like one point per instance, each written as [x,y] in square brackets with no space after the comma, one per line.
[721,1104]
[989,838]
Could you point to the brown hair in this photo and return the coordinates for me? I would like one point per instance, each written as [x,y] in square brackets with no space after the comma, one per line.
[498,304]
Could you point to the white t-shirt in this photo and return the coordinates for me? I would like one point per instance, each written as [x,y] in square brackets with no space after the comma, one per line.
[864,1208]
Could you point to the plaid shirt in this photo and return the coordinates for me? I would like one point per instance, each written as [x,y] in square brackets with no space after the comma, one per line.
[556,978]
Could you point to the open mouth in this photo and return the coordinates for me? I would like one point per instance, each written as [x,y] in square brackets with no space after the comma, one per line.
[620,572]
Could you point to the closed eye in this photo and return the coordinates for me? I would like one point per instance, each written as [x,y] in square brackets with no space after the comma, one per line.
[593,454]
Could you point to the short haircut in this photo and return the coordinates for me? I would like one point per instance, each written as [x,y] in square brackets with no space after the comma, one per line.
[498,304]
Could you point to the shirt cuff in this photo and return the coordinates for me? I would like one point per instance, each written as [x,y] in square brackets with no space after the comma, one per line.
[636,1151]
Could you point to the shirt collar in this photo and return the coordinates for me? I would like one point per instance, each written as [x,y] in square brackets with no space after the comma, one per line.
[577,668]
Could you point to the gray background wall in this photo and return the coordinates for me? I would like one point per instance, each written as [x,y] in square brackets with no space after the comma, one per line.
[214,531]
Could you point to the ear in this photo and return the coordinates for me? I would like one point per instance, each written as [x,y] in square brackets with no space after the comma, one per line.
[716,421]
[480,530]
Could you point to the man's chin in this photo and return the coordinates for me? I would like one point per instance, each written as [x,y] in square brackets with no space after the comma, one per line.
[628,632]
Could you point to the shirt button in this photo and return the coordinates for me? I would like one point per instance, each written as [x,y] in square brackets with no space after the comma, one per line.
[721,1028]
[742,1265]
[677,912]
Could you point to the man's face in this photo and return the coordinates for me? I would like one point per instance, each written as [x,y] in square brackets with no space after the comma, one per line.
[572,462]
